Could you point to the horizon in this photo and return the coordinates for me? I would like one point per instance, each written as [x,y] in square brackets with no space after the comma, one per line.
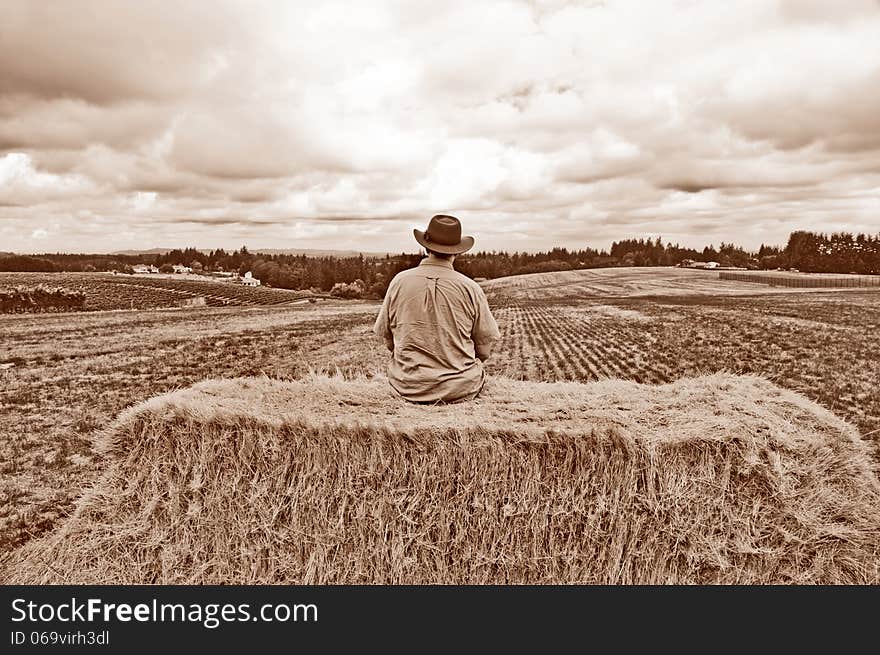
[418,248]
[379,253]
[332,126]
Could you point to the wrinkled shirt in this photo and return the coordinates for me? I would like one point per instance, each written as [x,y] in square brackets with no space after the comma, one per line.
[435,315]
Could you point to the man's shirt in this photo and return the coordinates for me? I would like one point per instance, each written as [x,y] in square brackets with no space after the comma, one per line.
[435,316]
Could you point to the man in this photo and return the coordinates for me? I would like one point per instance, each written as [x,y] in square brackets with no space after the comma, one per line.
[437,322]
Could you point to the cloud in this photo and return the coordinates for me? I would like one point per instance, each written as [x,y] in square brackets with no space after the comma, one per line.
[800,86]
[105,52]
[143,201]
[73,123]
[539,123]
[21,183]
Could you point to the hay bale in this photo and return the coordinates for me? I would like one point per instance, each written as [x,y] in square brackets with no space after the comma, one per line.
[719,479]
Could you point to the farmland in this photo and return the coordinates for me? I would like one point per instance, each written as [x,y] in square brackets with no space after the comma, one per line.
[65,376]
[105,291]
[643,282]
[821,345]
[803,280]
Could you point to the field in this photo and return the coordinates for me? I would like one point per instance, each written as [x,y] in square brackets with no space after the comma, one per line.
[65,376]
[106,291]
[643,282]
[801,280]
[821,345]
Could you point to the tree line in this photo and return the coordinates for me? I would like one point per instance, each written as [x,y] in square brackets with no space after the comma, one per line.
[839,252]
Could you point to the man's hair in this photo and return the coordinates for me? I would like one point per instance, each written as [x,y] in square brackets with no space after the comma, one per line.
[441,255]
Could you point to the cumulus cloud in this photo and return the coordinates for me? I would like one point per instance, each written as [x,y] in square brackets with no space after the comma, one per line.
[317,124]
[73,123]
[104,52]
[21,183]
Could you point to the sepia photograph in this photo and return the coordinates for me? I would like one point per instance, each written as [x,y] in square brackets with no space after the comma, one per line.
[501,293]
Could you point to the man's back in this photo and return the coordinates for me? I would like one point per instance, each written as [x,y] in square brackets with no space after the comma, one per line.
[437,317]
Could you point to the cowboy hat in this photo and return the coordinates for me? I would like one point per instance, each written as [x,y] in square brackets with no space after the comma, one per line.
[444,236]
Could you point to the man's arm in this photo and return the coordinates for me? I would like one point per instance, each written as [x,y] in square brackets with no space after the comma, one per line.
[382,326]
[485,331]
[483,350]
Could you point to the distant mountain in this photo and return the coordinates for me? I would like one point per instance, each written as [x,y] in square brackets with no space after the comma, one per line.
[311,252]
[151,251]
[308,252]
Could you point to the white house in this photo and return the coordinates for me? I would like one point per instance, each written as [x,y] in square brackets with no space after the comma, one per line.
[249,280]
[180,268]
[712,264]
[144,268]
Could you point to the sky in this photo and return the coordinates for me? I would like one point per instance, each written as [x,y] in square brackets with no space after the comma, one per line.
[344,125]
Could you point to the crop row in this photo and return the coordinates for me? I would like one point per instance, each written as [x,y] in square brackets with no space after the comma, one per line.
[233,293]
[549,343]
[809,281]
[41,298]
[830,357]
[103,291]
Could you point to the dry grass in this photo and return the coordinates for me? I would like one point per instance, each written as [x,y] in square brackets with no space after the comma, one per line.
[719,479]
[63,376]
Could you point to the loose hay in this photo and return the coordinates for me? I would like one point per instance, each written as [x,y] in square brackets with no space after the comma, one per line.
[719,479]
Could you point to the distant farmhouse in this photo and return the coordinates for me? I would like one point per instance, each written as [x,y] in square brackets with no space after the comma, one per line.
[690,263]
[180,268]
[249,280]
[144,268]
